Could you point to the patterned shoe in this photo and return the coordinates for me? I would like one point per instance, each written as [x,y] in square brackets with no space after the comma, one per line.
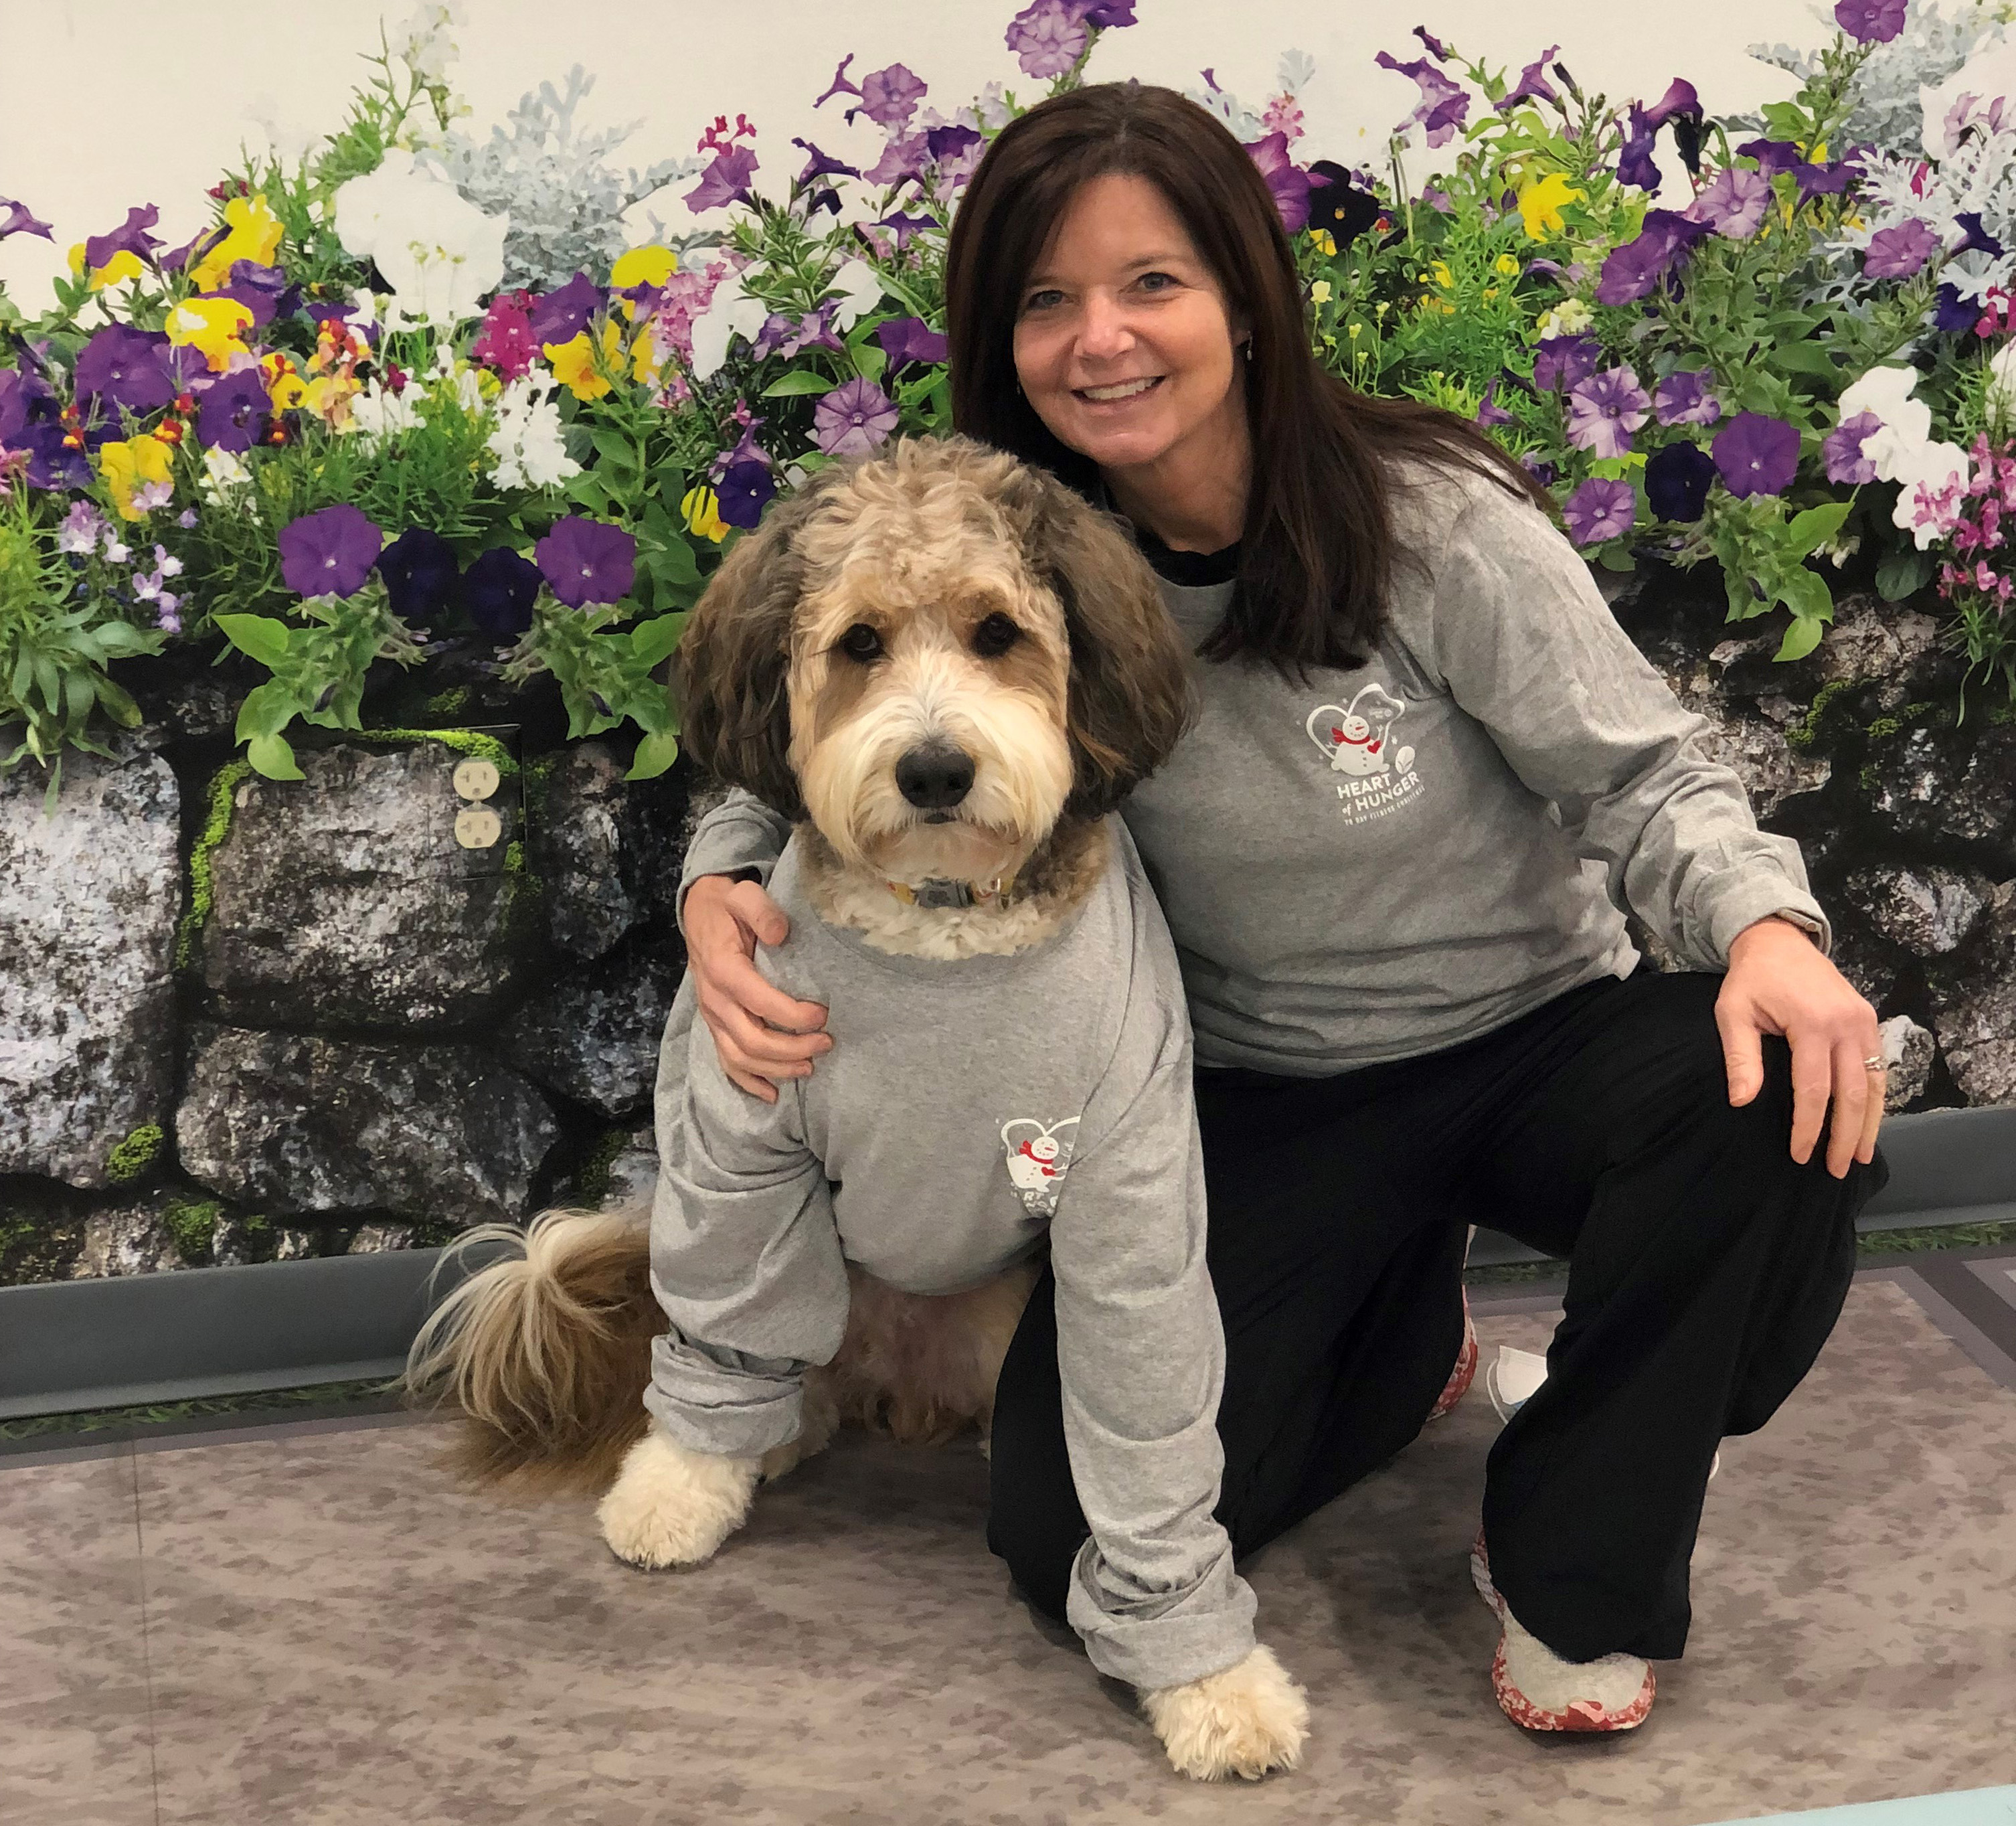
[1539,1689]
[1465,1371]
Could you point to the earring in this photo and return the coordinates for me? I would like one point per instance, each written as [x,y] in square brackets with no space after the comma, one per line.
[1247,346]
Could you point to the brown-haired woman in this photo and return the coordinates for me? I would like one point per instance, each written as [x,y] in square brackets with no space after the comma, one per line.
[1429,771]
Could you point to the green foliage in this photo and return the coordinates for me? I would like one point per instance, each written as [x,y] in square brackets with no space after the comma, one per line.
[132,1157]
[193,1224]
[606,675]
[224,786]
[591,1180]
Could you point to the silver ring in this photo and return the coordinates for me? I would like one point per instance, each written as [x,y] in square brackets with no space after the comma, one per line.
[1875,1063]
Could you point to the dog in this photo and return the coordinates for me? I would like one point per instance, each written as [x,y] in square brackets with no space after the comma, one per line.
[947,670]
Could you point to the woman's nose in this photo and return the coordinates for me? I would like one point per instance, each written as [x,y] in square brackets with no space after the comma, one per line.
[1103,330]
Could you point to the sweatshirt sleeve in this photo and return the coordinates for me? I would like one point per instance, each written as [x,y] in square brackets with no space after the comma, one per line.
[1141,1358]
[740,833]
[745,1258]
[1526,644]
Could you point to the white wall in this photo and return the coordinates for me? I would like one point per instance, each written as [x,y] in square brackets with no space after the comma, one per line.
[113,103]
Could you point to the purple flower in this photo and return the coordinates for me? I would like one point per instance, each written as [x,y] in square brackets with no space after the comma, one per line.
[889,97]
[1841,449]
[1676,482]
[1489,411]
[234,413]
[1443,104]
[1562,360]
[1679,98]
[855,417]
[910,339]
[1437,49]
[123,367]
[1757,455]
[1047,36]
[419,572]
[263,290]
[15,218]
[1733,202]
[1899,252]
[1828,180]
[1288,182]
[328,553]
[1636,166]
[1956,315]
[1772,155]
[561,316]
[1872,22]
[903,227]
[588,561]
[743,491]
[1533,85]
[498,591]
[956,152]
[791,336]
[1543,472]
[1106,14]
[1631,271]
[132,238]
[1978,240]
[1600,510]
[1683,398]
[725,181]
[1605,409]
[819,164]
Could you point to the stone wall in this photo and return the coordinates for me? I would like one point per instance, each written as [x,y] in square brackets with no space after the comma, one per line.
[423,988]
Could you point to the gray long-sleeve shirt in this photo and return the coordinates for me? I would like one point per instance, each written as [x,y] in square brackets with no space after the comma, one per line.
[1375,864]
[972,1109]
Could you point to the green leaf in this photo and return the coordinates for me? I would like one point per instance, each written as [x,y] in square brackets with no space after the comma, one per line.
[801,380]
[614,448]
[260,636]
[1806,358]
[1811,530]
[1903,574]
[656,753]
[651,641]
[267,709]
[270,756]
[117,703]
[1801,637]
[1805,593]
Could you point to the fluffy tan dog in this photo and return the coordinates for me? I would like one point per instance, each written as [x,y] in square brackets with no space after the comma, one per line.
[948,670]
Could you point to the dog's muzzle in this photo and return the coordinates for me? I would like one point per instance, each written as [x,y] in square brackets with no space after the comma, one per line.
[935,777]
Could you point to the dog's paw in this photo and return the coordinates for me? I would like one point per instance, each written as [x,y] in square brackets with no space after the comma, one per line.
[819,1420]
[1248,1719]
[670,1506]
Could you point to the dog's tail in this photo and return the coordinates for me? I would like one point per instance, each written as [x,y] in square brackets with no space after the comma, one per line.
[546,1352]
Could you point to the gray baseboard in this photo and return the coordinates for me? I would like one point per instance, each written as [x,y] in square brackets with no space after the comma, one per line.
[72,1346]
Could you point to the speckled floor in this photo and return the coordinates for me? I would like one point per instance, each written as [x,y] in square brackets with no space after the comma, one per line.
[311,1625]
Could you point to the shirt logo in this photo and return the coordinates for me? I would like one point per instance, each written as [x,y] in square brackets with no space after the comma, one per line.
[1357,739]
[1038,1159]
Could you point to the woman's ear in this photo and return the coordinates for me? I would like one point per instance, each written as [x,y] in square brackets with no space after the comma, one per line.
[732,666]
[1131,697]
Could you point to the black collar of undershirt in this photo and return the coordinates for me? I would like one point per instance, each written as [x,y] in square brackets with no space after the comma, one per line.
[1186,569]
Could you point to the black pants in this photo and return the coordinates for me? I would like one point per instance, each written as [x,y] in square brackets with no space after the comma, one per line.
[1706,1270]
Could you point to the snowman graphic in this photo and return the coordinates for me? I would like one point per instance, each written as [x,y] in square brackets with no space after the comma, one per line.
[1038,1156]
[1357,737]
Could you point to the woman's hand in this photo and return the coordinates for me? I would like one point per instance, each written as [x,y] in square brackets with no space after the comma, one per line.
[1778,982]
[762,1036]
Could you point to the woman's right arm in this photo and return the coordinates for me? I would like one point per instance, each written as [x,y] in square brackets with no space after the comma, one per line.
[763,1036]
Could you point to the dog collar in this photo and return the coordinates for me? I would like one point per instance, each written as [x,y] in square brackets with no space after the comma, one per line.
[943,893]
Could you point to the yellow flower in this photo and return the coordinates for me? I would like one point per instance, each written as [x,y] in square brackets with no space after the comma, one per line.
[328,396]
[1540,205]
[1505,264]
[574,362]
[1319,292]
[254,234]
[123,265]
[1566,318]
[644,266]
[1326,243]
[1354,329]
[284,386]
[698,507]
[1441,273]
[213,325]
[129,465]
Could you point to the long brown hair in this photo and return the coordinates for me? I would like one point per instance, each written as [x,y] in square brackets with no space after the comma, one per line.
[1317,551]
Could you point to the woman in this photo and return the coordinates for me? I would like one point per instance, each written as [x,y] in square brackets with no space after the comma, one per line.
[1428,771]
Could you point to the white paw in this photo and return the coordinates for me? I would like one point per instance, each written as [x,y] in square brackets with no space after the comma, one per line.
[819,1419]
[670,1506]
[1245,1720]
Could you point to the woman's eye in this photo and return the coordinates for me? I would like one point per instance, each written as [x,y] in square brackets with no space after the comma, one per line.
[861,642]
[1041,300]
[994,636]
[1147,277]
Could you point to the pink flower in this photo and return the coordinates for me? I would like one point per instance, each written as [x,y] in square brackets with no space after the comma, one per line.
[1048,37]
[1605,409]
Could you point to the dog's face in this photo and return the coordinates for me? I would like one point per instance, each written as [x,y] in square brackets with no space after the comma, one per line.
[934,655]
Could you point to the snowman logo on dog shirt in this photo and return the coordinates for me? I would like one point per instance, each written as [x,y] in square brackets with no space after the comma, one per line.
[1038,1156]
[1357,739]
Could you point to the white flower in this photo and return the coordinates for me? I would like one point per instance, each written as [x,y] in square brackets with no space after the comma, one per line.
[530,442]
[290,144]
[1906,423]
[860,289]
[439,254]
[731,312]
[1566,318]
[222,472]
[1938,469]
[2002,384]
[116,551]
[376,412]
[423,42]
[1988,77]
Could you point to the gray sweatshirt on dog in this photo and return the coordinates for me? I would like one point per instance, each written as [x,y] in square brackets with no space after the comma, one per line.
[1375,864]
[973,1110]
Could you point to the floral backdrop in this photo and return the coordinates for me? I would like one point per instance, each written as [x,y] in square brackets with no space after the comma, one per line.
[414,402]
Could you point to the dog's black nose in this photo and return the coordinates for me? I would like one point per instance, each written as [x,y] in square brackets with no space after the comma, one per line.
[934,778]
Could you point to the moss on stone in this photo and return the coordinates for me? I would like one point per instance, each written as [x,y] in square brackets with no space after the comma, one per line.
[463,741]
[216,825]
[591,1183]
[134,1155]
[193,1224]
[453,702]
[1806,733]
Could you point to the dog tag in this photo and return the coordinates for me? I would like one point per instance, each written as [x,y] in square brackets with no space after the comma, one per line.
[477,779]
[477,826]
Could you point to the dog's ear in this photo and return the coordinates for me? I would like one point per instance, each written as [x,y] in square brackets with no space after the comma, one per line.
[732,666]
[1130,695]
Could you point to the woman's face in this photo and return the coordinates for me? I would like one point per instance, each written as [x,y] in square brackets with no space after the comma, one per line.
[1123,343]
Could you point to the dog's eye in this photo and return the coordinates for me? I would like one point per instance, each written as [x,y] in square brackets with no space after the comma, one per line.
[994,636]
[861,642]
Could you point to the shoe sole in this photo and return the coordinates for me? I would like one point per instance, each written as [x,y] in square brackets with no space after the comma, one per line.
[1582,1716]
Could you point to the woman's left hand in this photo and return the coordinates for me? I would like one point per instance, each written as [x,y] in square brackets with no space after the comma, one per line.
[1778,982]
